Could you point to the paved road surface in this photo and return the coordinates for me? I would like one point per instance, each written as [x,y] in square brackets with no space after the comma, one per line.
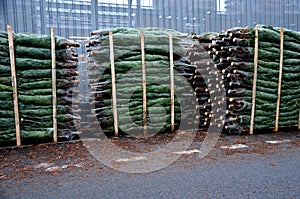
[272,172]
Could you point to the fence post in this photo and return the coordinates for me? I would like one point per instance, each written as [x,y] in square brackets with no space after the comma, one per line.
[144,82]
[14,83]
[279,80]
[254,81]
[54,96]
[172,81]
[299,120]
[113,82]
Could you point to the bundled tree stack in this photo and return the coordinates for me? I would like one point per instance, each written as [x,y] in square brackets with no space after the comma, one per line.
[34,84]
[205,79]
[233,54]
[128,69]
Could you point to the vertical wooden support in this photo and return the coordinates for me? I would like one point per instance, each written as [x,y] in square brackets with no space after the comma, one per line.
[299,120]
[144,82]
[14,83]
[113,82]
[279,80]
[254,81]
[54,96]
[172,82]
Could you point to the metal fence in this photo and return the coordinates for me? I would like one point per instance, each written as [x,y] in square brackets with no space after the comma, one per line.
[79,17]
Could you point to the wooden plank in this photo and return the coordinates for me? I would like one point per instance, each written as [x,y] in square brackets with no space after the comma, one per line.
[254,82]
[54,89]
[113,82]
[14,83]
[279,79]
[172,82]
[144,82]
[299,120]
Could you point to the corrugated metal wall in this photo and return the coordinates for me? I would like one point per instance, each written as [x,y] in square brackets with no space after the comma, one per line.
[79,17]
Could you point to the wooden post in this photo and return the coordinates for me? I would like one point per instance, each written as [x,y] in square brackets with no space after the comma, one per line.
[113,82]
[14,83]
[279,80]
[299,120]
[54,96]
[254,81]
[172,82]
[144,82]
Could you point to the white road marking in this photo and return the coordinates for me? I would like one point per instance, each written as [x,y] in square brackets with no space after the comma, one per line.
[277,141]
[55,168]
[51,167]
[43,165]
[3,177]
[236,146]
[131,159]
[187,152]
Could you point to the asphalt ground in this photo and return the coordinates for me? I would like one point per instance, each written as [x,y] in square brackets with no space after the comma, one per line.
[265,166]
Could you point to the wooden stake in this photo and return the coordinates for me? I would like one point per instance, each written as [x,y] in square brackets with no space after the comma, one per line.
[254,82]
[113,82]
[14,83]
[279,79]
[172,82]
[299,120]
[54,96]
[144,81]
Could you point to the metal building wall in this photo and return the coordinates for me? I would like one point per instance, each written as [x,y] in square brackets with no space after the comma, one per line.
[79,17]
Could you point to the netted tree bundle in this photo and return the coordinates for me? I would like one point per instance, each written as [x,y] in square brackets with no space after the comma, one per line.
[233,54]
[34,84]
[128,69]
